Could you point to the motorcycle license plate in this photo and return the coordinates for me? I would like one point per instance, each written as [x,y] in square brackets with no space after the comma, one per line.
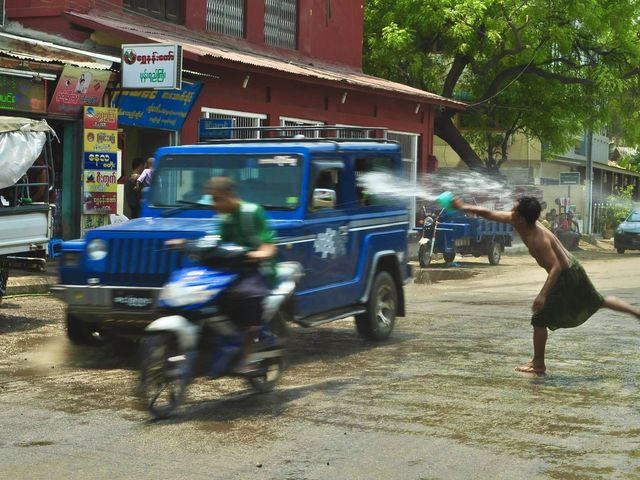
[132,299]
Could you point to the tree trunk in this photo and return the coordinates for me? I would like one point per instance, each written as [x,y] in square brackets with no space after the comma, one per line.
[447,131]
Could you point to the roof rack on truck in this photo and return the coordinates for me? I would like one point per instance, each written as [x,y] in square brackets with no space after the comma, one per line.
[297,133]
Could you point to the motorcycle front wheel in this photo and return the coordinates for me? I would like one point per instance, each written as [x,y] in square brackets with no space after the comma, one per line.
[162,383]
[424,254]
[270,372]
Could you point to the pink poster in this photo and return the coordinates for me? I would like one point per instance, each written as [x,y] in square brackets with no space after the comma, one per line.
[78,87]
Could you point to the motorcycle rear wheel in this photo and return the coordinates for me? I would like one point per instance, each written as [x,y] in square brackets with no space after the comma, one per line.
[161,387]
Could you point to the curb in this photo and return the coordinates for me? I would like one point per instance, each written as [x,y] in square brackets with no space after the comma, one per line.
[35,285]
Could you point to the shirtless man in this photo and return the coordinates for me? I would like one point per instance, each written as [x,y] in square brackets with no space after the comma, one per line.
[567,298]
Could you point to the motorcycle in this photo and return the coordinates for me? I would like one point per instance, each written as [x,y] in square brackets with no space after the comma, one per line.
[428,239]
[197,338]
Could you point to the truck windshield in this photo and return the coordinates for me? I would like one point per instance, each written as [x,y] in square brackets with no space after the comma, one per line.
[273,181]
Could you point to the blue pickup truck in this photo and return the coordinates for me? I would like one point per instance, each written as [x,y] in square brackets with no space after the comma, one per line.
[457,233]
[353,247]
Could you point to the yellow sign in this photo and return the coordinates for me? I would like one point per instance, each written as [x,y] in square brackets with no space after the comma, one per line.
[100,181]
[99,141]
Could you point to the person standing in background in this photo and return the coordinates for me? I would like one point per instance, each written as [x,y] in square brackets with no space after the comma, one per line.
[146,176]
[132,193]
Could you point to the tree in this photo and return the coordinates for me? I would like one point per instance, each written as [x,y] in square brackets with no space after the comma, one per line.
[544,68]
[631,162]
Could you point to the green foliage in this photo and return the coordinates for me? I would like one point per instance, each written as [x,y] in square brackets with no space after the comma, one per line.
[619,205]
[545,68]
[631,162]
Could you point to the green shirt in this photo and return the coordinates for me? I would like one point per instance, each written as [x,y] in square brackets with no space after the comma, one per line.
[247,226]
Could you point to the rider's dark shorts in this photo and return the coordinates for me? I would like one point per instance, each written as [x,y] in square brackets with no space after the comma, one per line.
[243,301]
[572,300]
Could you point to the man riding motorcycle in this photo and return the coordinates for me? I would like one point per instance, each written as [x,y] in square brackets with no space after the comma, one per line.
[244,224]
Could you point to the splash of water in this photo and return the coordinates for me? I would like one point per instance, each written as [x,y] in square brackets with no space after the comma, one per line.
[471,186]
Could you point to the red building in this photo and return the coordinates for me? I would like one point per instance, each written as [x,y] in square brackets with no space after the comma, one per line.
[260,62]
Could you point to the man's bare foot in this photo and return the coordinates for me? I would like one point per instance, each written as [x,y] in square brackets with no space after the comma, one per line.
[529,367]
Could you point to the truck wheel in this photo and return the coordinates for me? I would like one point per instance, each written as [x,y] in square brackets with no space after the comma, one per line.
[424,255]
[495,252]
[80,332]
[378,321]
[449,256]
[620,251]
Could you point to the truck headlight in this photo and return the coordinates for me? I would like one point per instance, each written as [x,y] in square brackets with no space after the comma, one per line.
[97,249]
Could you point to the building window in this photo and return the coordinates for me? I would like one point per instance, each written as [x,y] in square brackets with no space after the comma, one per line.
[355,132]
[239,119]
[409,148]
[168,10]
[281,23]
[295,122]
[226,17]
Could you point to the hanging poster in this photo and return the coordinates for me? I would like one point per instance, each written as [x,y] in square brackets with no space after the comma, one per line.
[78,87]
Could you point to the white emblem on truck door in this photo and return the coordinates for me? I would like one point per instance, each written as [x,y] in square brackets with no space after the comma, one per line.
[330,243]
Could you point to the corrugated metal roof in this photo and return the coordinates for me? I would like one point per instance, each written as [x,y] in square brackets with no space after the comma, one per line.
[204,45]
[46,52]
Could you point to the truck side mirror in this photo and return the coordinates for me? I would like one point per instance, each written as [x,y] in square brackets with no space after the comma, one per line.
[323,198]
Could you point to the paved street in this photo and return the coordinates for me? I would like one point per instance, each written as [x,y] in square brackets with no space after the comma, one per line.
[440,400]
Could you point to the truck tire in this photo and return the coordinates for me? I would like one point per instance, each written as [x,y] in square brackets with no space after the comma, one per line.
[449,257]
[424,255]
[378,320]
[495,252]
[80,332]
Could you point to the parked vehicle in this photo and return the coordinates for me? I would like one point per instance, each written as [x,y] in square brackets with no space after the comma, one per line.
[26,178]
[627,236]
[194,336]
[455,233]
[353,247]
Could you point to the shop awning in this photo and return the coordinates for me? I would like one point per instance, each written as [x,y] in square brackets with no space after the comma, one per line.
[200,46]
[34,50]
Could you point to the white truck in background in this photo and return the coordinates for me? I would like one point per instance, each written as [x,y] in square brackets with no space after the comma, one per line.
[26,178]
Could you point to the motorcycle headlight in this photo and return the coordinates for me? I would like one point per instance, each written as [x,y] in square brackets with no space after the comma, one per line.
[181,295]
[428,221]
[97,249]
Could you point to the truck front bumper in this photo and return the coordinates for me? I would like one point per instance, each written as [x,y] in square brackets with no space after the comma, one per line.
[110,305]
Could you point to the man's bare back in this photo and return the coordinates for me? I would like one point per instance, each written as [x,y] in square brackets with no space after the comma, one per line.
[543,246]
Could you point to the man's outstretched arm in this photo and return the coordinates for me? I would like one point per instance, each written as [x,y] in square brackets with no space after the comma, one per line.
[504,217]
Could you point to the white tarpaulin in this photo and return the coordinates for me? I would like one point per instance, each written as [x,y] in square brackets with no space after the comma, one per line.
[21,142]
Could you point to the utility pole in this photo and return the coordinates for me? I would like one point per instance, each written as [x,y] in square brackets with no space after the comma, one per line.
[589,184]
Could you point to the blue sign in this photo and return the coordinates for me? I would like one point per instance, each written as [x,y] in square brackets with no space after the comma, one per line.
[214,129]
[100,161]
[164,109]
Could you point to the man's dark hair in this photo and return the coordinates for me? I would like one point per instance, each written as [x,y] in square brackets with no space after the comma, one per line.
[529,209]
[136,162]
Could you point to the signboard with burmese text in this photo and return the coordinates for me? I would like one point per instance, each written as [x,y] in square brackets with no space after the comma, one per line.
[100,161]
[152,66]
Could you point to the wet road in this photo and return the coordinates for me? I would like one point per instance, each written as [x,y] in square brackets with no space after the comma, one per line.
[440,400]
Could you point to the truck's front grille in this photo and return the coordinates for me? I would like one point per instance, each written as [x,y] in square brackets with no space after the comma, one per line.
[140,262]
